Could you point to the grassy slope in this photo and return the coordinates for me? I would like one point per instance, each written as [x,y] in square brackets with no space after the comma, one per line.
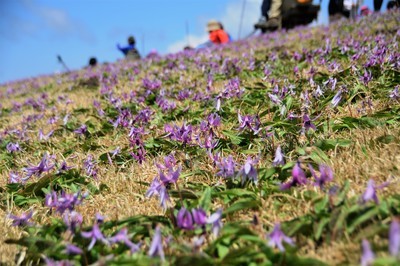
[366,118]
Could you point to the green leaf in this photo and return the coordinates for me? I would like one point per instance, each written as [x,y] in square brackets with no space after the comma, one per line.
[367,216]
[243,204]
[205,199]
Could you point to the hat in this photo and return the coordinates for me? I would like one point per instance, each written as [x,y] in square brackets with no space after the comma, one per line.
[213,25]
[364,8]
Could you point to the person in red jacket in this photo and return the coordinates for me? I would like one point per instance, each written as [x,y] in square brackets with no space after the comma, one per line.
[216,34]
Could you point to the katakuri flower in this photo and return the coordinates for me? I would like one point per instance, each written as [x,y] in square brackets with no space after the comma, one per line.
[95,235]
[367,257]
[326,175]
[122,237]
[394,238]
[276,237]
[279,158]
[298,177]
[156,247]
[21,220]
[184,219]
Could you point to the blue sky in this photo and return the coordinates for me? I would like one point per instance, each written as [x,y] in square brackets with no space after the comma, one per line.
[34,32]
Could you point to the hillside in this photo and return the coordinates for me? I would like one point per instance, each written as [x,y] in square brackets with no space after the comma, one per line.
[281,149]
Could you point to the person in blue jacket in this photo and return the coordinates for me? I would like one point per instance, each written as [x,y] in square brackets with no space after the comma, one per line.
[130,51]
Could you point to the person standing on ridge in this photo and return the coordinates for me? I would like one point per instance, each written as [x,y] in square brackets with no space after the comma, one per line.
[130,51]
[270,15]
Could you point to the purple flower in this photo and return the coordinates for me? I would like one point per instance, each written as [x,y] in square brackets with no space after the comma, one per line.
[298,177]
[90,166]
[250,122]
[336,99]
[368,256]
[277,236]
[171,177]
[43,136]
[50,262]
[13,147]
[122,237]
[394,238]
[64,201]
[366,78]
[395,94]
[215,221]
[370,193]
[226,167]
[199,216]
[248,171]
[326,175]
[95,235]
[279,158]
[64,167]
[158,188]
[71,249]
[156,247]
[274,98]
[81,130]
[184,219]
[15,178]
[182,134]
[21,220]
[307,123]
[72,220]
[43,166]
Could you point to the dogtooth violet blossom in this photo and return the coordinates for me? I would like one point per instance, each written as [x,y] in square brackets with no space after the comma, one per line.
[64,201]
[72,220]
[370,193]
[43,166]
[226,167]
[94,235]
[81,130]
[21,220]
[158,188]
[276,237]
[298,177]
[13,147]
[326,175]
[184,219]
[122,237]
[367,257]
[215,221]
[279,158]
[248,171]
[71,249]
[156,247]
[394,238]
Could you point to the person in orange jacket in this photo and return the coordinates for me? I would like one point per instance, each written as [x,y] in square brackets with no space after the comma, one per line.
[216,34]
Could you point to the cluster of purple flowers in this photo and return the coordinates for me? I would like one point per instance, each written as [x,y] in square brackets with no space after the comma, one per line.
[181,134]
[64,201]
[44,166]
[189,220]
[299,177]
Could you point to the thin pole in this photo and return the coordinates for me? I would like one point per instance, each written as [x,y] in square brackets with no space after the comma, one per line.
[61,61]
[241,18]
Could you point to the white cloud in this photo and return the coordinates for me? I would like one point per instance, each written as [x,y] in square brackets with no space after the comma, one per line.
[230,18]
